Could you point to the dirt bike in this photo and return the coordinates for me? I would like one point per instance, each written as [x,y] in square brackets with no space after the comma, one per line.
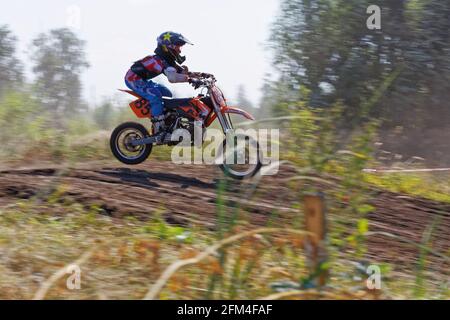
[132,144]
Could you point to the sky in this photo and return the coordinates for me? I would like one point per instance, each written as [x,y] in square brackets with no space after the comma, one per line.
[229,37]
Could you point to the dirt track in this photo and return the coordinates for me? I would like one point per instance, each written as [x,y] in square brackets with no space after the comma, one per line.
[187,194]
[183,193]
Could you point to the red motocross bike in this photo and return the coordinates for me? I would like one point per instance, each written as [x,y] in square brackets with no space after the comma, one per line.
[132,144]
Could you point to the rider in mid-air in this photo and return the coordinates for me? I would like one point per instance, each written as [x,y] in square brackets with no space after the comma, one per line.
[168,60]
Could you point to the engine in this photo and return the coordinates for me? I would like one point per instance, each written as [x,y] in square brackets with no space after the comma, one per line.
[174,122]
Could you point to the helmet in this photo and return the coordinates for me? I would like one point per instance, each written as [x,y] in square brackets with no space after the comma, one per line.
[169,43]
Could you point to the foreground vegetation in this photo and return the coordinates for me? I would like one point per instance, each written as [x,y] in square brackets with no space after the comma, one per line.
[123,259]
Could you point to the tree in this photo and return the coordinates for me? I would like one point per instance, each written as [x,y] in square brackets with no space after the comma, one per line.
[11,70]
[242,99]
[104,116]
[324,45]
[399,74]
[59,60]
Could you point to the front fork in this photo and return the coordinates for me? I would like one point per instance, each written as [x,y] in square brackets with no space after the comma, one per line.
[226,125]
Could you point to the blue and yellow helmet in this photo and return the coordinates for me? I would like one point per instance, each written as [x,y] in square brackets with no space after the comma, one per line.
[169,41]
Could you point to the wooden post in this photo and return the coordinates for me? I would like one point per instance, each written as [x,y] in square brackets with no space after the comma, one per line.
[315,246]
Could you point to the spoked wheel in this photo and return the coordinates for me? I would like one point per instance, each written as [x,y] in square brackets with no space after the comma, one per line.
[239,157]
[122,147]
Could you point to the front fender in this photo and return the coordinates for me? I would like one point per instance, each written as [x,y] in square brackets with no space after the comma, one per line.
[227,109]
[237,111]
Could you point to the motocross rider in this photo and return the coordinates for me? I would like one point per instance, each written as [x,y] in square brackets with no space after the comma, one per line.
[168,60]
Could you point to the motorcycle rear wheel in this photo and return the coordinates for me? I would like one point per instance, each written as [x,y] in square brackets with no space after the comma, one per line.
[122,148]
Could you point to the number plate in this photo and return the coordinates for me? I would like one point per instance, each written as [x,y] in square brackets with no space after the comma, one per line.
[141,108]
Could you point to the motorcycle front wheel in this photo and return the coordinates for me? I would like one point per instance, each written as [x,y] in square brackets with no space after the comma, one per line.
[240,157]
[121,143]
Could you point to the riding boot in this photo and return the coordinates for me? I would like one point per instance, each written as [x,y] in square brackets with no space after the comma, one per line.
[159,126]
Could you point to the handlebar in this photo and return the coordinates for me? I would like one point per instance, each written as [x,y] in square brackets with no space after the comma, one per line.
[201,75]
[199,79]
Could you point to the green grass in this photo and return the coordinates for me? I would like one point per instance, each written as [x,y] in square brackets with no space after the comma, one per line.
[425,185]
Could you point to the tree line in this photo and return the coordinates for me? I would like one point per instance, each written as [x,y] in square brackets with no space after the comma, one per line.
[324,54]
[58,60]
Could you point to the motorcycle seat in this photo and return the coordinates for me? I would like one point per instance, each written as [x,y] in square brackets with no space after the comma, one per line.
[175,103]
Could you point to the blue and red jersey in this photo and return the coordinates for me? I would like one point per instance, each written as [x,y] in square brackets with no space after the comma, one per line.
[154,64]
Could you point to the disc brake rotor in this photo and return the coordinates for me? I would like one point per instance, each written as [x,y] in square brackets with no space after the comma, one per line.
[128,139]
